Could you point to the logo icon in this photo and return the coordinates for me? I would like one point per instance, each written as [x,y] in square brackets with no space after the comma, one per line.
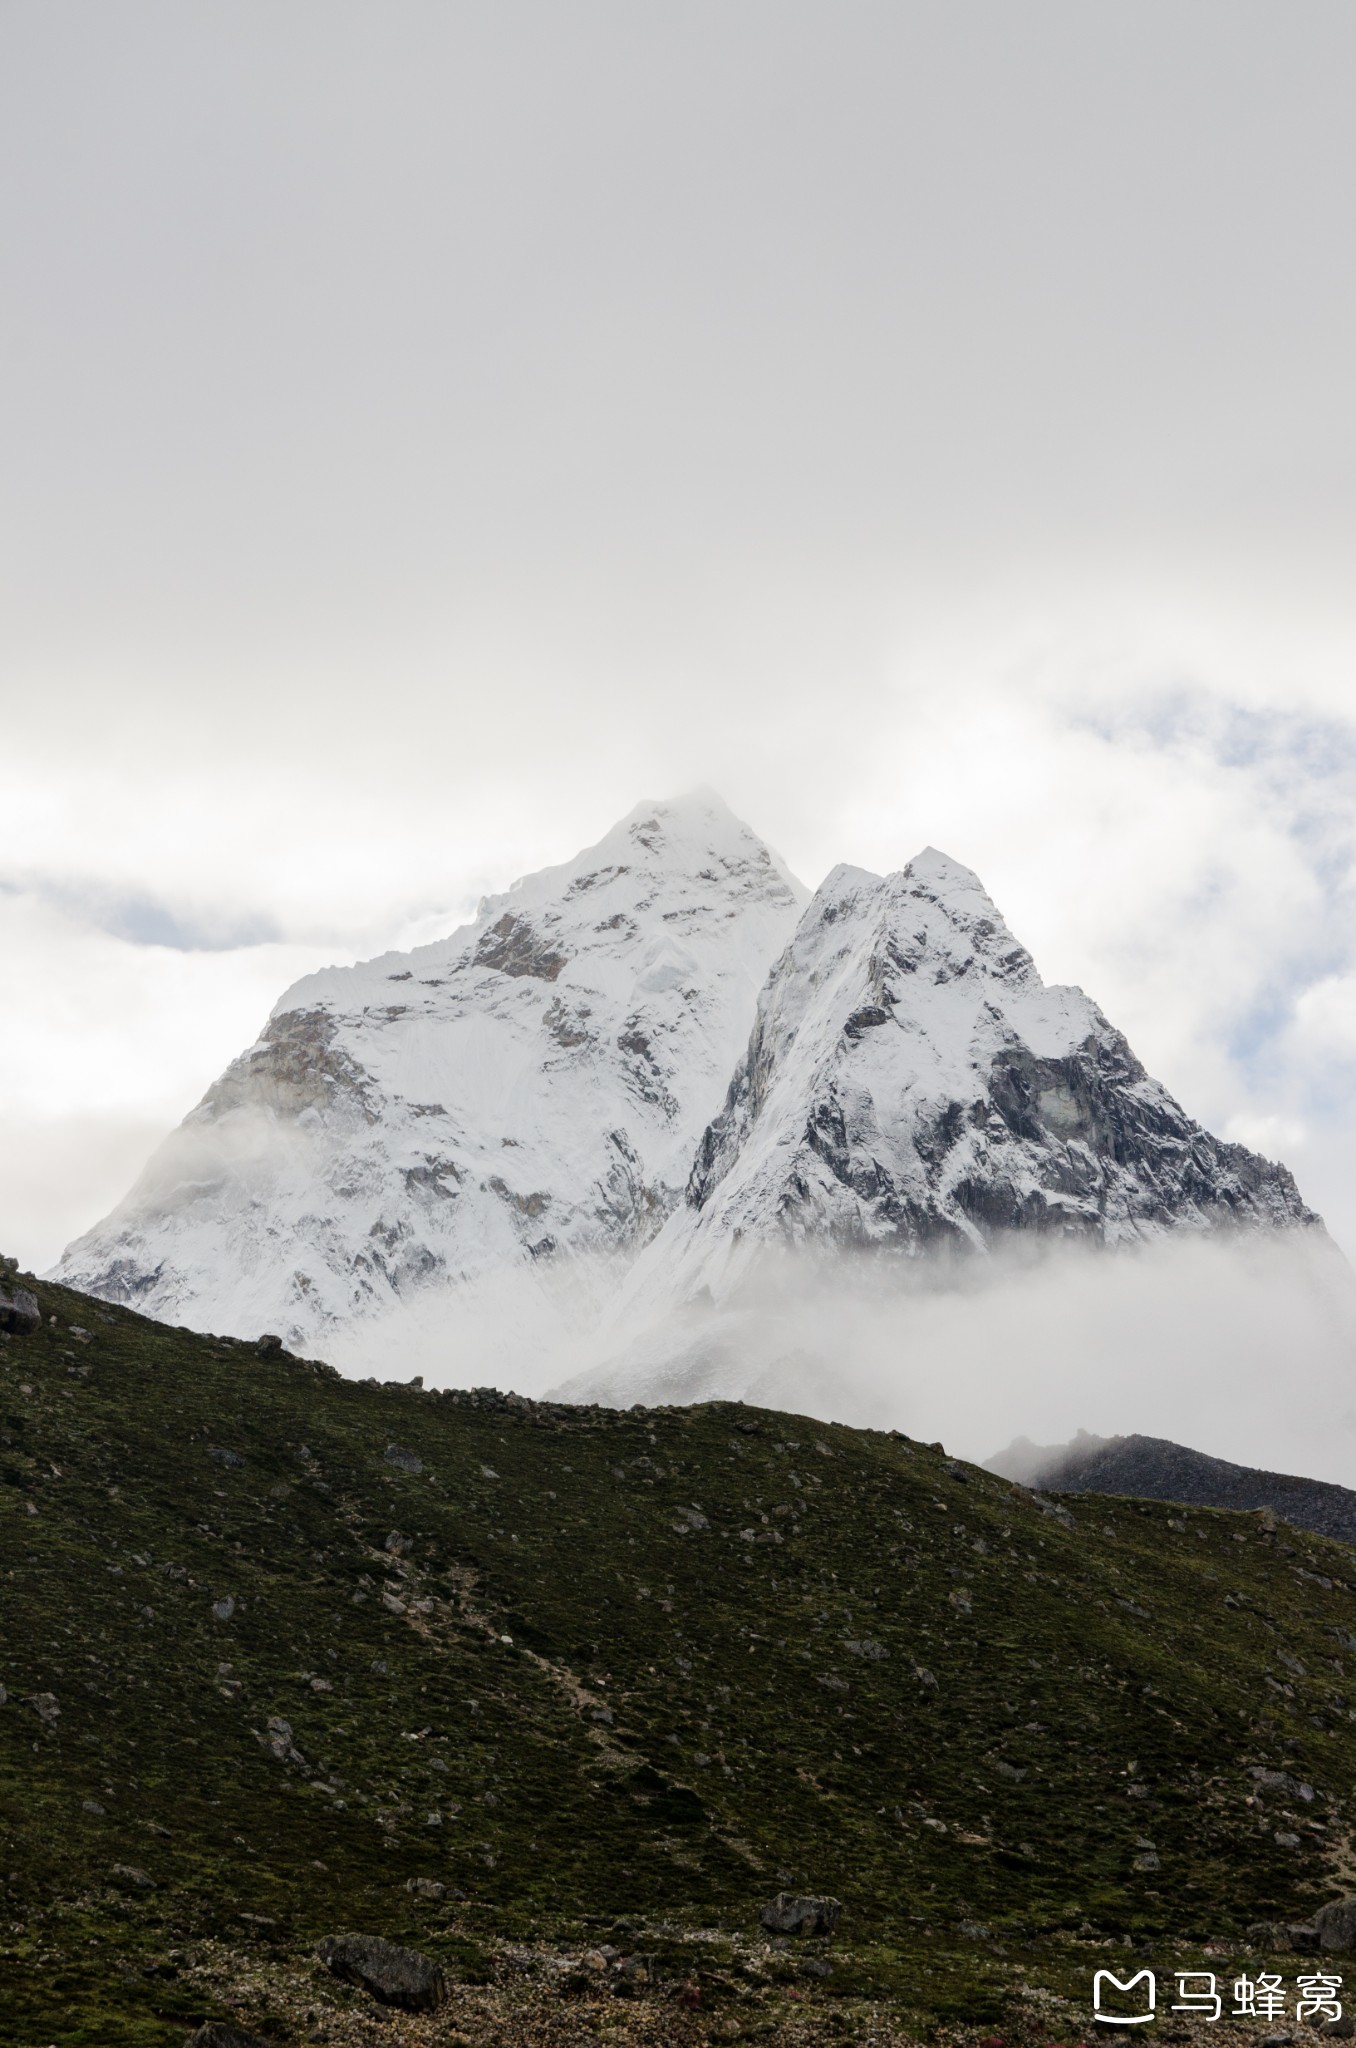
[1119,1994]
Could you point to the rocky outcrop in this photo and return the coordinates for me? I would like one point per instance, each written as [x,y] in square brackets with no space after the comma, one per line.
[1336,1927]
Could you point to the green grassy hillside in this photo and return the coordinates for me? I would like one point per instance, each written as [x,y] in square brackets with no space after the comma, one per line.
[278,1647]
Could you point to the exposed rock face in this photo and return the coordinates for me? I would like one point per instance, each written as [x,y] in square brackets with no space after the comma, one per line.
[1156,1469]
[530,1087]
[396,1976]
[911,1083]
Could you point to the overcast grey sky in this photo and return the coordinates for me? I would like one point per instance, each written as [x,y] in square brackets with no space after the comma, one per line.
[428,429]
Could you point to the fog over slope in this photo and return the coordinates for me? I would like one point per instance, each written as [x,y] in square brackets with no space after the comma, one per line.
[1244,1347]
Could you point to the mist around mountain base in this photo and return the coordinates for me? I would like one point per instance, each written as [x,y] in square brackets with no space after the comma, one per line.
[1242,1346]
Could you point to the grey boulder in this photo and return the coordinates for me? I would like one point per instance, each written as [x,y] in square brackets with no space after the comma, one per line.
[19,1312]
[396,1976]
[1280,1785]
[789,1913]
[1280,1935]
[1336,1925]
[278,1739]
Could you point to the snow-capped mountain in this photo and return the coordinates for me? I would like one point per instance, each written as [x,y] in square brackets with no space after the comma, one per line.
[539,1098]
[912,1087]
[531,1087]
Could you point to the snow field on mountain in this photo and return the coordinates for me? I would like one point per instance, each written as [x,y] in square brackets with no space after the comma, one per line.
[911,1084]
[529,1088]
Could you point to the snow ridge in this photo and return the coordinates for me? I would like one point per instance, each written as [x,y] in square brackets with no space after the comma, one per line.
[911,1084]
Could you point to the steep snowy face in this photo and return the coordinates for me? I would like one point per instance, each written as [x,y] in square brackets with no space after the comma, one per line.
[531,1086]
[910,1083]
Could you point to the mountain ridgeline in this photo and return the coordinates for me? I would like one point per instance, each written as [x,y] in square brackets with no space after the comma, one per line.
[544,1089]
[1156,1469]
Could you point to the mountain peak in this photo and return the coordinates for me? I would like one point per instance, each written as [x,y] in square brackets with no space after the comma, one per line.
[933,869]
[545,1085]
[845,880]
[531,1085]
[910,1082]
[681,831]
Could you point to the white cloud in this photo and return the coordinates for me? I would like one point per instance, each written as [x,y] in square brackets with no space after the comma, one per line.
[1188,1339]
[1275,1137]
[1242,1348]
[104,1045]
[1324,1028]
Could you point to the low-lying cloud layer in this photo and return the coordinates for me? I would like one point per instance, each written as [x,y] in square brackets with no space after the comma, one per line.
[1242,1348]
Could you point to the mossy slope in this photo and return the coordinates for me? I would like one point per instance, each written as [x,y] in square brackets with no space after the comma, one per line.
[584,1665]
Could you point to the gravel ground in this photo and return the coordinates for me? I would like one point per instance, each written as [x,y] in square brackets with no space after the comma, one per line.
[546,1999]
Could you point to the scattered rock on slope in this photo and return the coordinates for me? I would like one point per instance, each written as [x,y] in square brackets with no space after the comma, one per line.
[1336,1925]
[395,1976]
[19,1313]
[789,1913]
